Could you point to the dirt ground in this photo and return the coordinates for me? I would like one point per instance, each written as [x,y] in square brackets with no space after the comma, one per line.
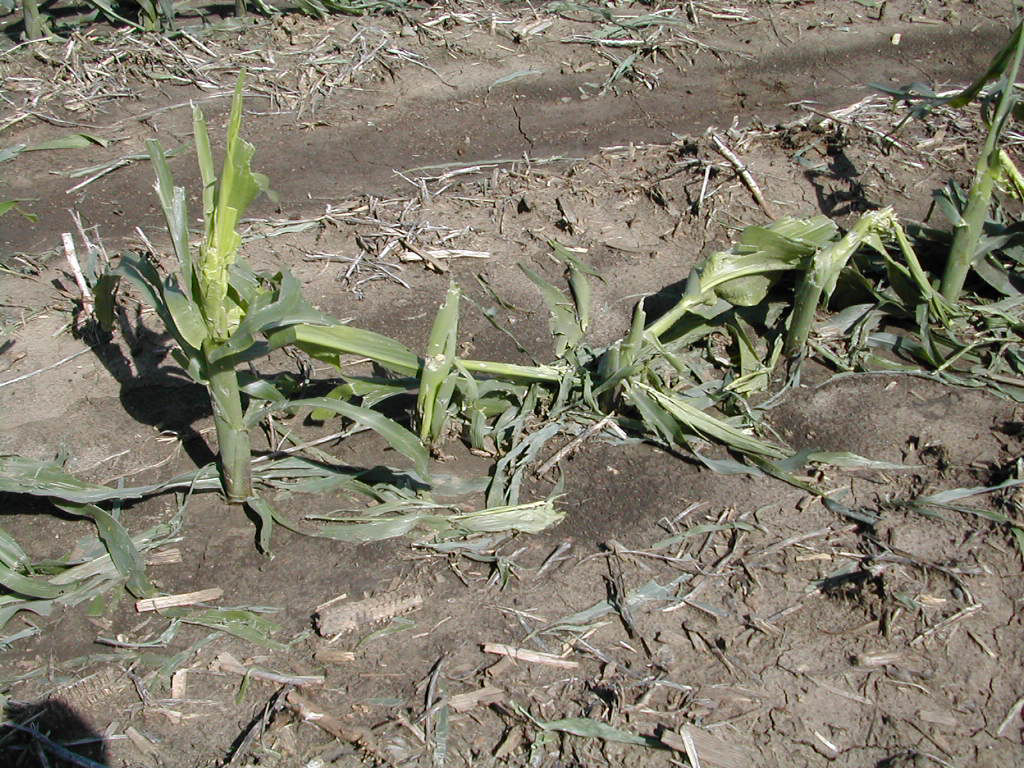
[696,617]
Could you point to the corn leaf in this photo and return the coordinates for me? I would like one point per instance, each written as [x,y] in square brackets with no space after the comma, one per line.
[138,270]
[330,342]
[528,518]
[71,141]
[122,550]
[175,210]
[26,586]
[710,427]
[995,71]
[578,283]
[269,311]
[49,479]
[238,622]
[397,436]
[437,364]
[11,553]
[595,729]
[204,156]
[565,322]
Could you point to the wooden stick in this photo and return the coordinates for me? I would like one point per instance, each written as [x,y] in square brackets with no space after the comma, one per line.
[533,657]
[463,702]
[741,169]
[225,662]
[173,601]
[362,737]
[76,270]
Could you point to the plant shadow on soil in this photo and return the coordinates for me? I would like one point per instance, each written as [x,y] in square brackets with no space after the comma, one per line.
[56,722]
[154,390]
[838,186]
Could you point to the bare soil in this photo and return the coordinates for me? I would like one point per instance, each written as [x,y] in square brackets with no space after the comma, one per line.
[783,632]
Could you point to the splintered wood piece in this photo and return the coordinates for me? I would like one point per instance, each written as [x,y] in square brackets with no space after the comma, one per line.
[463,702]
[312,712]
[711,749]
[741,169]
[333,656]
[333,618]
[179,684]
[164,557]
[173,601]
[225,662]
[531,657]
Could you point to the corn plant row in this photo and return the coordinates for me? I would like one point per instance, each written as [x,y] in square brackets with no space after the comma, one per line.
[660,382]
[159,15]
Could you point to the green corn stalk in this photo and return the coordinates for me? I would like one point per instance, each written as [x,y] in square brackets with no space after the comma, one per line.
[215,307]
[823,271]
[437,365]
[35,28]
[987,172]
[743,274]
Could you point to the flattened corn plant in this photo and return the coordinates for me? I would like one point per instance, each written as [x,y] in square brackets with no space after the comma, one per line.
[683,379]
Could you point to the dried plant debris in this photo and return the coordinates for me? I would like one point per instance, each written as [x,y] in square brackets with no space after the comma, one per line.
[336,617]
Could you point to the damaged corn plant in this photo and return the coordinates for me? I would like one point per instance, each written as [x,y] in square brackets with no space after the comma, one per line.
[215,306]
[702,373]
[695,378]
[961,323]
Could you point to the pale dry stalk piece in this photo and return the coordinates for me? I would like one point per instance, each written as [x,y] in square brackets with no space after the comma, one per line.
[463,702]
[330,655]
[691,748]
[958,616]
[713,750]
[88,306]
[1013,714]
[225,662]
[164,557]
[179,684]
[361,737]
[430,255]
[45,368]
[532,657]
[335,618]
[878,658]
[741,169]
[103,563]
[174,601]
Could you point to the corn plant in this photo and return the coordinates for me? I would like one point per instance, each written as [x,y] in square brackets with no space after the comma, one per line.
[35,26]
[969,215]
[987,171]
[216,306]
